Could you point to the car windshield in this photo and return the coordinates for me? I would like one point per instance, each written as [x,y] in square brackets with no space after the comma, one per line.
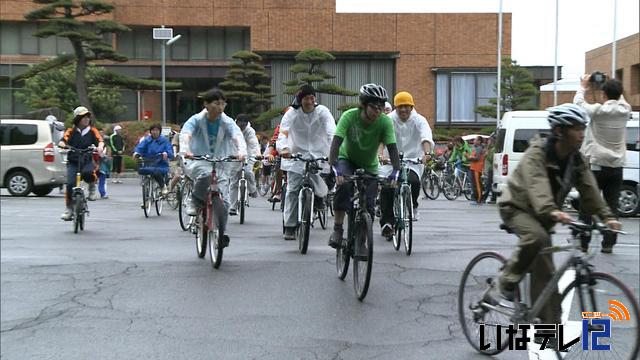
[633,139]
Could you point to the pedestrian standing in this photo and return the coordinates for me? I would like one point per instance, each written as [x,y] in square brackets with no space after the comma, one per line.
[103,172]
[116,145]
[476,166]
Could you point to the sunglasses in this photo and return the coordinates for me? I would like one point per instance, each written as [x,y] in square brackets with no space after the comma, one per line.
[377,106]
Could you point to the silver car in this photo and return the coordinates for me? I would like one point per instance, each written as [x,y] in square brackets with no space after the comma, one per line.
[29,160]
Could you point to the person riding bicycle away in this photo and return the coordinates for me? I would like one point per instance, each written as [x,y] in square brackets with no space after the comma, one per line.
[476,166]
[355,145]
[270,154]
[253,150]
[460,156]
[149,148]
[81,136]
[306,130]
[532,204]
[210,132]
[414,140]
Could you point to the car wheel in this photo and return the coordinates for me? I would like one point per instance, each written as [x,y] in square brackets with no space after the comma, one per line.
[628,200]
[19,183]
[42,190]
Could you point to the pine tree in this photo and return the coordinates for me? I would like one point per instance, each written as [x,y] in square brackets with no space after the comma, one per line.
[308,71]
[516,92]
[62,18]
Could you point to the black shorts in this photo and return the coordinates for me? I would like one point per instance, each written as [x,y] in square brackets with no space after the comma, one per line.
[117,164]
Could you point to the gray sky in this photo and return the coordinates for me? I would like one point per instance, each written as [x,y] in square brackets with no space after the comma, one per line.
[584,24]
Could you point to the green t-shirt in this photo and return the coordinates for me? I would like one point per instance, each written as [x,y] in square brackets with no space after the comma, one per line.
[360,143]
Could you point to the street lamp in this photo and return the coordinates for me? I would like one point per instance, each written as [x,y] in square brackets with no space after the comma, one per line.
[164,86]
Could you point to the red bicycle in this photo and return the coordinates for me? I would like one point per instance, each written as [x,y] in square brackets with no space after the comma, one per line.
[209,225]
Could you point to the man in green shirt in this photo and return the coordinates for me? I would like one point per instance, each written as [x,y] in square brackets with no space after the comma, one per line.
[355,145]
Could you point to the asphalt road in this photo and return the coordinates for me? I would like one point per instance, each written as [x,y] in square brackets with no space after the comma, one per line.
[132,288]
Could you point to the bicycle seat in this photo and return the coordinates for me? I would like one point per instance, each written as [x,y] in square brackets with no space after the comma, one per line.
[506,228]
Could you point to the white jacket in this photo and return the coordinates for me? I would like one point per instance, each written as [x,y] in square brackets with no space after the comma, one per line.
[309,135]
[409,138]
[605,138]
[250,138]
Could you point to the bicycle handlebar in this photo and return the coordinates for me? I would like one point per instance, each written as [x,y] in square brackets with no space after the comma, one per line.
[299,157]
[70,148]
[214,159]
[600,227]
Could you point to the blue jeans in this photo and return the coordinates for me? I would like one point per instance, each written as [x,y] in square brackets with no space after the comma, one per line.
[102,184]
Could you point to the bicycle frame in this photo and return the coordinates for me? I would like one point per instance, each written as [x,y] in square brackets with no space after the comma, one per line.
[242,181]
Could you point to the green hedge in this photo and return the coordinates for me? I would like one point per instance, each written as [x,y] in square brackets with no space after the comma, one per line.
[129,163]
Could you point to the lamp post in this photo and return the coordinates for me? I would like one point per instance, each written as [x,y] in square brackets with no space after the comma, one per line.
[164,86]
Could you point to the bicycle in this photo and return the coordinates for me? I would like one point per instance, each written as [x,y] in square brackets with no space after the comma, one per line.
[183,194]
[306,198]
[243,198]
[358,244]
[151,192]
[403,209]
[455,182]
[78,197]
[265,182]
[208,225]
[588,291]
[431,180]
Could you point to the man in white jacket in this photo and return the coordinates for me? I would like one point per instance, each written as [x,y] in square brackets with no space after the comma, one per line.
[414,139]
[605,143]
[253,150]
[308,131]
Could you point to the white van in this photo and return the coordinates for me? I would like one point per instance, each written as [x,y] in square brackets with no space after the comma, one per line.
[519,127]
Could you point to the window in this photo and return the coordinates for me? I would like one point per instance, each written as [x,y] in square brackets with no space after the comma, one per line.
[459,93]
[143,43]
[9,38]
[180,49]
[28,42]
[215,44]
[635,79]
[522,137]
[633,139]
[18,134]
[500,140]
[198,43]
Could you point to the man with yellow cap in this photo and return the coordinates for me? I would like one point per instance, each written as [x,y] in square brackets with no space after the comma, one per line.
[414,139]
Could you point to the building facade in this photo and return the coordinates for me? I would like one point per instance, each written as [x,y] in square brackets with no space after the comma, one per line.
[447,61]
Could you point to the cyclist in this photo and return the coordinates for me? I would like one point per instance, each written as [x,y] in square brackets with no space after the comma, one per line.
[461,156]
[414,139]
[270,154]
[532,203]
[214,133]
[82,135]
[150,147]
[306,130]
[253,149]
[355,145]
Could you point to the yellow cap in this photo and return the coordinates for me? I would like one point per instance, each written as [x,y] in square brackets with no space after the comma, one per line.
[403,98]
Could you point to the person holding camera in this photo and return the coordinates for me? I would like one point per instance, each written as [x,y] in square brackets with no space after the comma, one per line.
[605,141]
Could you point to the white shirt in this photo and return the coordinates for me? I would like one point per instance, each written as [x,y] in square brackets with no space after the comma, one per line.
[309,135]
[410,135]
[253,146]
[605,137]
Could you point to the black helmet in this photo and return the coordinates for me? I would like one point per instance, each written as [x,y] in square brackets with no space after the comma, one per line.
[373,93]
[567,115]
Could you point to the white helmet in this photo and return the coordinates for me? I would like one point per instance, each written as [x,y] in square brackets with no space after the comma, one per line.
[567,115]
[373,93]
[51,119]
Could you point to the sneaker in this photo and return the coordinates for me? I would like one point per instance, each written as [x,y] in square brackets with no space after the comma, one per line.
[501,297]
[141,205]
[104,197]
[192,209]
[607,249]
[289,233]
[387,230]
[233,212]
[416,214]
[165,190]
[67,215]
[114,181]
[336,237]
[225,241]
[275,198]
[92,192]
[253,194]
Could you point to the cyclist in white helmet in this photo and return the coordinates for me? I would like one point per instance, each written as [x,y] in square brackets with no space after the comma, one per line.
[532,204]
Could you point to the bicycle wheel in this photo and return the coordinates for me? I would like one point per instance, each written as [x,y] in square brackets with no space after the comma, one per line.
[184,194]
[343,256]
[158,199]
[77,209]
[363,256]
[201,234]
[305,224]
[407,219]
[478,277]
[146,197]
[216,233]
[283,196]
[397,213]
[322,217]
[242,191]
[466,189]
[330,204]
[434,187]
[610,296]
[450,189]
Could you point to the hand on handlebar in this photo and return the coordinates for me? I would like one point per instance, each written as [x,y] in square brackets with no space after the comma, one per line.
[426,159]
[561,216]
[285,153]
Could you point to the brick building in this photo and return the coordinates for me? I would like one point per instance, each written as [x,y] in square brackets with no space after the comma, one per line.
[447,61]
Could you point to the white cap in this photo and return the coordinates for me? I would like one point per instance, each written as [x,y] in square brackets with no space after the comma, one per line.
[51,118]
[80,110]
[117,127]
[387,105]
